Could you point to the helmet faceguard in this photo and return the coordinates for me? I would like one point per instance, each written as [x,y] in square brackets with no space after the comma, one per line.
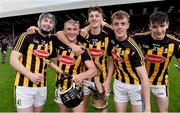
[73,96]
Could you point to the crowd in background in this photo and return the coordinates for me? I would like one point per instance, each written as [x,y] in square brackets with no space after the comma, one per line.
[11,39]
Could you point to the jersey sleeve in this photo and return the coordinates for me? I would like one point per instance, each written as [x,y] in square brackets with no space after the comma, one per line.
[137,38]
[22,43]
[85,56]
[110,47]
[108,29]
[55,42]
[137,59]
[81,39]
[111,36]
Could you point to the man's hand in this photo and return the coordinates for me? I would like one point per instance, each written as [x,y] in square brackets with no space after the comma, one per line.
[36,78]
[83,33]
[77,48]
[77,79]
[32,30]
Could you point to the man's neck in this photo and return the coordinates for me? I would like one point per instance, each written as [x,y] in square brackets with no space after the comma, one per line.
[122,38]
[158,38]
[95,31]
[74,41]
[44,34]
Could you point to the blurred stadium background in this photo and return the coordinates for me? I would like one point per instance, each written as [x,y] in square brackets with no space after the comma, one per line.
[14,22]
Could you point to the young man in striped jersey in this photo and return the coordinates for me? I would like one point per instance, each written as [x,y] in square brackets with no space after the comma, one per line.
[72,64]
[128,67]
[159,48]
[30,82]
[97,44]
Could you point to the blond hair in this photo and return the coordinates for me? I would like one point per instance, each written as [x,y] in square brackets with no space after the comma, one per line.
[72,22]
[120,15]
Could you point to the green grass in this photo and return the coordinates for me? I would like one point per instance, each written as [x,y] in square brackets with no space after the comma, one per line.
[7,76]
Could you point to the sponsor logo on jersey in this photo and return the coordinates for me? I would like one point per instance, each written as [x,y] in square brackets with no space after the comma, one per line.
[61,47]
[67,60]
[96,52]
[41,53]
[116,57]
[155,58]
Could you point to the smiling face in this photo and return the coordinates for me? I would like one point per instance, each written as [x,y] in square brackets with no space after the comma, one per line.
[71,30]
[46,22]
[158,25]
[120,27]
[95,18]
[158,30]
[120,24]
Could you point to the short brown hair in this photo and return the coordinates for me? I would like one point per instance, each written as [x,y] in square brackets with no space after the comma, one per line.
[120,15]
[158,17]
[95,8]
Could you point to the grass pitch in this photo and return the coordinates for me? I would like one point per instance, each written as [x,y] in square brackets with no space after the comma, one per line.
[7,77]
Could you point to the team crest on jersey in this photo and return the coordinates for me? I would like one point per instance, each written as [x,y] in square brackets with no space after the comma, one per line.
[145,46]
[155,58]
[116,57]
[61,47]
[35,41]
[43,43]
[96,52]
[93,42]
[67,60]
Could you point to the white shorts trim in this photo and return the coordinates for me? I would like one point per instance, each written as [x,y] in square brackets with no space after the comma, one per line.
[125,92]
[30,96]
[159,90]
[87,83]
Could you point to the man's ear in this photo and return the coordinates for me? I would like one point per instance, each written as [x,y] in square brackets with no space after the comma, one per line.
[128,25]
[112,26]
[38,23]
[167,26]
[102,17]
[149,26]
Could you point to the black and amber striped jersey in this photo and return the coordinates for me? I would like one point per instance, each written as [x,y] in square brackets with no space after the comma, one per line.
[97,46]
[127,56]
[27,44]
[158,54]
[70,62]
